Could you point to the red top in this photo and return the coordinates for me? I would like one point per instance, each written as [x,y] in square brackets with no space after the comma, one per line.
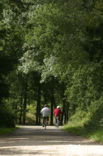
[57,112]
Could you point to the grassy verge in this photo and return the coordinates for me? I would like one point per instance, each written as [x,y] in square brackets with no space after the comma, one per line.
[79,129]
[4,131]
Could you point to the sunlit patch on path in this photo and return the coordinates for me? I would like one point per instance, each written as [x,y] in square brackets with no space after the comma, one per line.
[35,141]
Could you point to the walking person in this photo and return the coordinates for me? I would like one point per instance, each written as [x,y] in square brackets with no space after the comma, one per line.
[57,114]
[45,113]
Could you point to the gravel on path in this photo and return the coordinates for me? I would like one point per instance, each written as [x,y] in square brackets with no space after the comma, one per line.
[36,141]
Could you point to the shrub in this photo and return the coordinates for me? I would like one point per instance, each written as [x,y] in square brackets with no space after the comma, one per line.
[80,117]
[96,113]
[7,116]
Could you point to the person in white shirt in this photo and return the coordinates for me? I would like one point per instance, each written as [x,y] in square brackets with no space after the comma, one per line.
[45,113]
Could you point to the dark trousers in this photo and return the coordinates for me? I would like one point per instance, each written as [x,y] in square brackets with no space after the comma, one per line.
[45,119]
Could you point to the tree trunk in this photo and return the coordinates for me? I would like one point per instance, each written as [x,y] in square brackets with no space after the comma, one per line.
[25,102]
[64,118]
[66,112]
[14,107]
[52,105]
[21,102]
[45,98]
[38,107]
[63,112]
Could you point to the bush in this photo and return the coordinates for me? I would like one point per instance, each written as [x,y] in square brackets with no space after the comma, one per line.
[96,114]
[30,115]
[79,118]
[7,116]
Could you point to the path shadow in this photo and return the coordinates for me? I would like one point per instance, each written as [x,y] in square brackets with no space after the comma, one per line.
[37,136]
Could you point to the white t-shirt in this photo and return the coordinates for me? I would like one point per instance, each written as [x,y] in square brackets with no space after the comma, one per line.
[45,111]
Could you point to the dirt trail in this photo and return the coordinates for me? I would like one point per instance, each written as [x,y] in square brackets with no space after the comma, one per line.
[35,141]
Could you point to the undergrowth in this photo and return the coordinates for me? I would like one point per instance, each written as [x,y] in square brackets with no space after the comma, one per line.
[77,126]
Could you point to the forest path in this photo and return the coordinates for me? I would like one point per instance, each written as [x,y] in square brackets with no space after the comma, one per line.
[35,141]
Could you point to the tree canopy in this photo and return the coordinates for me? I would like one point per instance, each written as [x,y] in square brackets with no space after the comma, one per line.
[51,52]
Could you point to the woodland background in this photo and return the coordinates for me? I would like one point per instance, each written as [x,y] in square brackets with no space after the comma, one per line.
[51,52]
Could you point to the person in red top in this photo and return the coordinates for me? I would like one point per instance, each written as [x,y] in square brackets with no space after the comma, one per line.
[57,114]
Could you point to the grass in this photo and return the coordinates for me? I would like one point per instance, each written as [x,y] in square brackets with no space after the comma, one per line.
[4,131]
[79,129]
[97,135]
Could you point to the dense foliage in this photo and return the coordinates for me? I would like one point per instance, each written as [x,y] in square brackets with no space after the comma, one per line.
[51,53]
